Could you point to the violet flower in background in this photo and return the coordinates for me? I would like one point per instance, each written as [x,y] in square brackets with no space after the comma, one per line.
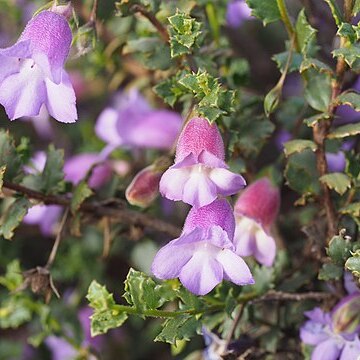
[255,211]
[63,350]
[39,77]
[335,335]
[204,253]
[77,167]
[336,161]
[237,12]
[200,173]
[131,122]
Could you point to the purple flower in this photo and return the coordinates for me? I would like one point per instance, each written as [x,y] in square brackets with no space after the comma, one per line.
[204,253]
[336,161]
[330,341]
[255,212]
[32,73]
[237,12]
[77,167]
[132,123]
[281,138]
[199,174]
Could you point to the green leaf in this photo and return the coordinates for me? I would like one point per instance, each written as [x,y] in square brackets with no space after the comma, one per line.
[318,90]
[330,272]
[143,293]
[295,146]
[350,54]
[306,34]
[183,327]
[336,12]
[184,31]
[339,249]
[13,278]
[311,63]
[347,31]
[252,134]
[313,120]
[351,98]
[267,11]
[356,8]
[272,99]
[281,60]
[2,172]
[14,312]
[345,131]
[352,210]
[353,263]
[53,175]
[106,316]
[336,181]
[13,217]
[80,194]
[9,156]
[301,174]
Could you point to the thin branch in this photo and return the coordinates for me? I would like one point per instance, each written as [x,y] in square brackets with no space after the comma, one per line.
[273,295]
[151,17]
[100,210]
[93,13]
[234,326]
[57,240]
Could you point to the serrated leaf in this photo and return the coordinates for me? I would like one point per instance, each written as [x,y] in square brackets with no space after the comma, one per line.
[143,293]
[53,174]
[336,181]
[14,312]
[352,209]
[336,12]
[330,272]
[339,250]
[80,194]
[13,278]
[318,90]
[281,60]
[2,172]
[313,120]
[267,11]
[305,34]
[301,174]
[350,54]
[184,32]
[311,63]
[295,146]
[351,98]
[353,263]
[13,217]
[106,316]
[183,327]
[346,30]
[345,131]
[9,156]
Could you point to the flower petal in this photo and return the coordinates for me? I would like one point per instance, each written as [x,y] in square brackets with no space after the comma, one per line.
[172,183]
[227,183]
[61,100]
[105,127]
[235,268]
[351,350]
[23,93]
[326,350]
[202,273]
[265,249]
[199,190]
[244,238]
[313,333]
[171,258]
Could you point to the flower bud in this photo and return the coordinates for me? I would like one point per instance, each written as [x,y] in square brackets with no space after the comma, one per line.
[346,315]
[64,10]
[144,188]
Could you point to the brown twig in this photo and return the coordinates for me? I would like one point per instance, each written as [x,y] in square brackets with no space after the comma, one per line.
[93,13]
[322,128]
[273,295]
[100,210]
[151,17]
[234,326]
[57,240]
